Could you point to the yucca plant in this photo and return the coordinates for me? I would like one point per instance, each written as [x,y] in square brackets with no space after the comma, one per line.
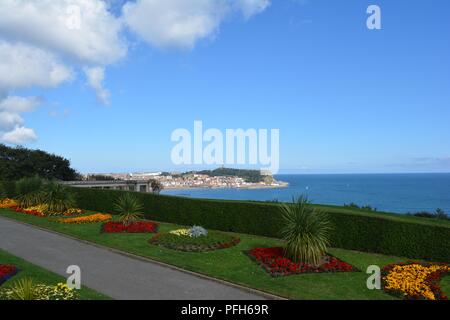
[31,199]
[129,208]
[29,191]
[58,198]
[305,231]
[24,289]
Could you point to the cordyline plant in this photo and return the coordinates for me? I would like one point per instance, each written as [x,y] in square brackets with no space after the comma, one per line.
[23,289]
[58,198]
[129,209]
[306,232]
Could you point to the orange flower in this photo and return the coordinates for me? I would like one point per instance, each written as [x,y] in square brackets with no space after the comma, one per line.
[98,217]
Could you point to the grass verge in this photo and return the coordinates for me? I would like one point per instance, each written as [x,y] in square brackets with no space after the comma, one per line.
[42,276]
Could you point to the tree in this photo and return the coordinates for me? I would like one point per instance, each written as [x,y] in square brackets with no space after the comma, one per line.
[19,162]
[156,186]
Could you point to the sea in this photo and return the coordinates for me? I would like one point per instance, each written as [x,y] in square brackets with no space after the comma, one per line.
[397,193]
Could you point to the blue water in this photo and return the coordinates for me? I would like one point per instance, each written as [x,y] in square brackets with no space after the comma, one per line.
[399,193]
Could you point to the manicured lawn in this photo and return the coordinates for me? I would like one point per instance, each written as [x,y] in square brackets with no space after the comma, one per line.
[42,276]
[234,266]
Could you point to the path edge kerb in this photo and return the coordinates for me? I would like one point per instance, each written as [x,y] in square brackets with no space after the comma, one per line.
[264,294]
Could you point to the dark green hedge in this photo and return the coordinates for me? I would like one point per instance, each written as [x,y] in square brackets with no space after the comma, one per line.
[8,188]
[351,231]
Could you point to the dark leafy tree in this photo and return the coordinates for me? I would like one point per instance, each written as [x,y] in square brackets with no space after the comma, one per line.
[156,186]
[19,162]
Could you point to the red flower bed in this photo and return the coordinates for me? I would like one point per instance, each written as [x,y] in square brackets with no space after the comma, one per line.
[135,227]
[30,212]
[274,262]
[7,271]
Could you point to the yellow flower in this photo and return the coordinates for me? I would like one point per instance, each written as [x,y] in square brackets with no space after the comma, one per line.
[8,203]
[180,232]
[41,208]
[98,217]
[413,279]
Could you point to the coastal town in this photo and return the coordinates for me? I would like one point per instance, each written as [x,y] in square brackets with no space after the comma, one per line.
[191,180]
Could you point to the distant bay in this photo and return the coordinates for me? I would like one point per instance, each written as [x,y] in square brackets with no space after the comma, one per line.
[399,193]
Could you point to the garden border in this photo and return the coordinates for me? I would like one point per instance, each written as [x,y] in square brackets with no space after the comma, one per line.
[262,293]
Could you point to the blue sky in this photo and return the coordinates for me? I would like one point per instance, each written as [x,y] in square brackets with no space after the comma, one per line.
[345,98]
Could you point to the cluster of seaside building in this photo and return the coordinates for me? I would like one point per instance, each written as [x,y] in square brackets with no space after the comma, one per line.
[178,181]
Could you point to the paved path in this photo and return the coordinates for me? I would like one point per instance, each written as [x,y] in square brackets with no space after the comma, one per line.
[114,274]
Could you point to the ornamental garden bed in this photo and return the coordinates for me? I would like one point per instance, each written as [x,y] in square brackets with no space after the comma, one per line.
[92,218]
[214,240]
[276,264]
[41,211]
[415,280]
[7,271]
[134,227]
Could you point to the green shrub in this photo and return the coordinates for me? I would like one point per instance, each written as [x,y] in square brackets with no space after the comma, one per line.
[58,198]
[26,289]
[23,289]
[29,185]
[410,237]
[8,188]
[29,191]
[3,194]
[306,232]
[129,208]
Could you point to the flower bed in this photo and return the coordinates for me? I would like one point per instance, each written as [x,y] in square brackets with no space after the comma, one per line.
[276,264]
[135,227]
[213,241]
[42,211]
[7,271]
[98,217]
[8,203]
[35,213]
[44,292]
[414,280]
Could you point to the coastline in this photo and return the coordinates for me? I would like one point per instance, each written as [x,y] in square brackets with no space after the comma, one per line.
[248,187]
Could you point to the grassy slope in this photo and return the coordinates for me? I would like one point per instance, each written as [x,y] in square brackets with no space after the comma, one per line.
[40,275]
[232,265]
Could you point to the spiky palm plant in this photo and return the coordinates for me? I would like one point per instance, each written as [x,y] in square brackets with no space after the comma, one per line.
[29,191]
[58,198]
[24,289]
[305,231]
[129,208]
[31,199]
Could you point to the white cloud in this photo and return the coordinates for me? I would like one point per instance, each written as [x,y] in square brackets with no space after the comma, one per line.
[43,42]
[23,66]
[83,30]
[19,135]
[9,121]
[181,23]
[20,104]
[174,23]
[95,77]
[252,7]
